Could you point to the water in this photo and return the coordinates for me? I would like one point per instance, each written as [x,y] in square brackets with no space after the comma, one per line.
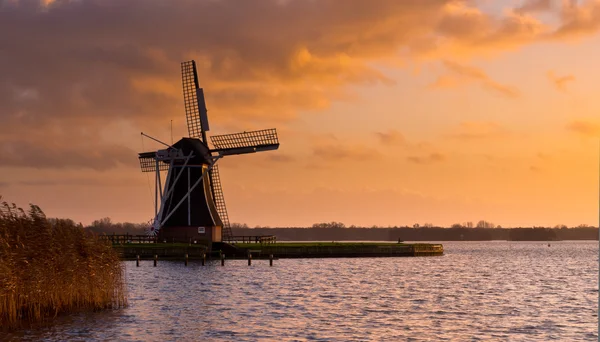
[517,291]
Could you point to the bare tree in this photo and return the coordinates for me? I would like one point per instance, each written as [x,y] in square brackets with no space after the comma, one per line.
[485,224]
[332,224]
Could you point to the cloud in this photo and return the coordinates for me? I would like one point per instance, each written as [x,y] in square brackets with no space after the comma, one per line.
[89,63]
[560,82]
[462,74]
[431,158]
[470,130]
[577,19]
[57,155]
[585,128]
[544,156]
[532,6]
[535,169]
[130,68]
[329,148]
[280,158]
[391,137]
[338,152]
[79,181]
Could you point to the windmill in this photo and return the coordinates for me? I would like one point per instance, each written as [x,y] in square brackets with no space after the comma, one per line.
[191,205]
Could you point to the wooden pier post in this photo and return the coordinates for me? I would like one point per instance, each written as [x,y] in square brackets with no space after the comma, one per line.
[137,261]
[203,259]
[271,260]
[186,259]
[222,259]
[249,259]
[155,259]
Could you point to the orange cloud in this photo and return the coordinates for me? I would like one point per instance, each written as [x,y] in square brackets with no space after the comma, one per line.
[330,148]
[560,82]
[531,6]
[577,19]
[585,128]
[101,64]
[280,158]
[63,155]
[340,152]
[431,158]
[465,74]
[391,137]
[534,168]
[468,131]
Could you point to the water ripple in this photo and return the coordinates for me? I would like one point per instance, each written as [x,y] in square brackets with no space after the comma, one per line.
[477,291]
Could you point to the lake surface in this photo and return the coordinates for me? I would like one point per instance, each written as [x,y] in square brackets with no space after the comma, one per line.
[517,291]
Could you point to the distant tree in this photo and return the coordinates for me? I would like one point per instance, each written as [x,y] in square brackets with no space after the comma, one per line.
[64,222]
[468,224]
[104,222]
[485,224]
[456,226]
[416,225]
[105,225]
[498,227]
[236,225]
[428,225]
[561,226]
[332,224]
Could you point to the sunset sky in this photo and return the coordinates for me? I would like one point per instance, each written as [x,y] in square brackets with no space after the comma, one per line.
[389,112]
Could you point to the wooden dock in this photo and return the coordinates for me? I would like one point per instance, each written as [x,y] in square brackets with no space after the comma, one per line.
[341,250]
[131,247]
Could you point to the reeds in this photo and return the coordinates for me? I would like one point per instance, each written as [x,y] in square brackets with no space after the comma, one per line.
[53,267]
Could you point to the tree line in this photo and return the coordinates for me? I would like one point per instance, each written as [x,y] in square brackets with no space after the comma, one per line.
[338,231]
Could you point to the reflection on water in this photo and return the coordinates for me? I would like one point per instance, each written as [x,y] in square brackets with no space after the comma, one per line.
[479,290]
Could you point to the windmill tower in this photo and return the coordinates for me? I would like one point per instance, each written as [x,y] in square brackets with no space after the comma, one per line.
[191,205]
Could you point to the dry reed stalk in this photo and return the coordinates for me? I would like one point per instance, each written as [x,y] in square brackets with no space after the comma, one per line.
[48,268]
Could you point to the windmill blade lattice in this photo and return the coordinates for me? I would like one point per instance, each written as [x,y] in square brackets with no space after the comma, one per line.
[217,190]
[189,79]
[263,137]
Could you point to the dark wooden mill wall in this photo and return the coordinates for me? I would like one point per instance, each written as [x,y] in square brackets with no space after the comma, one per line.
[202,214]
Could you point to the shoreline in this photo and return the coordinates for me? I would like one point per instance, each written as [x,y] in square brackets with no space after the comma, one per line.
[280,250]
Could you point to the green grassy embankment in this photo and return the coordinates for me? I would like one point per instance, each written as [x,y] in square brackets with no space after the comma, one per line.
[338,249]
[158,245]
[315,244]
[48,268]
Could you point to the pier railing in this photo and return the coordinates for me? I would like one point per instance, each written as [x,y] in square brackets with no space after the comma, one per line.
[262,239]
[128,238]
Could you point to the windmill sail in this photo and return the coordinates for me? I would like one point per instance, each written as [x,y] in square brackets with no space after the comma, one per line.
[217,192]
[245,142]
[193,99]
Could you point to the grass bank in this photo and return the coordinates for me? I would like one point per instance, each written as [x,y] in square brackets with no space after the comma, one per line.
[50,267]
[315,244]
[338,249]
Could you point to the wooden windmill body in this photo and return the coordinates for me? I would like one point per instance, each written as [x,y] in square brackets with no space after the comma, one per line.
[190,206]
